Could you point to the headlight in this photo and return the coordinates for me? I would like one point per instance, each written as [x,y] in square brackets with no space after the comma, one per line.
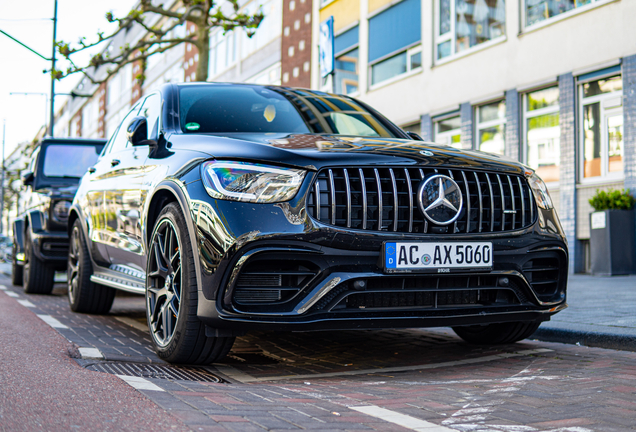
[241,181]
[540,191]
[60,211]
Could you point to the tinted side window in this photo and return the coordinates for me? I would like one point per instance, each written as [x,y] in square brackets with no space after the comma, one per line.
[151,109]
[121,139]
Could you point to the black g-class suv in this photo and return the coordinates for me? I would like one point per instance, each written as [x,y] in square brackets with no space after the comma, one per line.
[40,238]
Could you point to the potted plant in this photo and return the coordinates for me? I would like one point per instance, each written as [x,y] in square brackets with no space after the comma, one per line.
[612,242]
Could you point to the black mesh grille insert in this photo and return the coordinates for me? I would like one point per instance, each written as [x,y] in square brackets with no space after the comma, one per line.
[385,199]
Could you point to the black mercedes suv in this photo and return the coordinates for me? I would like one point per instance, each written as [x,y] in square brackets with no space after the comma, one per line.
[40,232]
[237,207]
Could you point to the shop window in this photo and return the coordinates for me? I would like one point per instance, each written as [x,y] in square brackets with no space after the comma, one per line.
[463,24]
[491,127]
[542,132]
[602,128]
[346,66]
[399,53]
[448,132]
[537,11]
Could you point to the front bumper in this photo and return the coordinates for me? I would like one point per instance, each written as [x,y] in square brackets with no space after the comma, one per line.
[273,267]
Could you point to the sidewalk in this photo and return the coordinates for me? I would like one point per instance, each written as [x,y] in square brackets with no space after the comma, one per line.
[601,313]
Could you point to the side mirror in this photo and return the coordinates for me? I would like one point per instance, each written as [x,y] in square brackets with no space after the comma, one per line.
[27,178]
[414,136]
[138,131]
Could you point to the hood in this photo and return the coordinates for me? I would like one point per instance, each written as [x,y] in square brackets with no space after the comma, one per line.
[314,151]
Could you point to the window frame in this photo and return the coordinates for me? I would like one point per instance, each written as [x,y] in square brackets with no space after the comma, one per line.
[450,133]
[490,123]
[410,51]
[451,36]
[606,175]
[556,18]
[526,115]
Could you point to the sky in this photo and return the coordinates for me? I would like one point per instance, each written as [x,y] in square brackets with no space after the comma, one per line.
[21,70]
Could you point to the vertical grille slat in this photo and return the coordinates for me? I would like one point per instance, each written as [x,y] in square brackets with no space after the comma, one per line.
[332,195]
[481,207]
[503,204]
[514,207]
[386,199]
[380,207]
[348,191]
[492,205]
[395,200]
[410,191]
[364,198]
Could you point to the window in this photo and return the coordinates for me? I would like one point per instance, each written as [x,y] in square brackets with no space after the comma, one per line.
[448,132]
[602,127]
[413,127]
[399,53]
[121,139]
[491,127]
[464,24]
[270,76]
[67,160]
[542,132]
[346,66]
[268,30]
[537,11]
[151,110]
[222,52]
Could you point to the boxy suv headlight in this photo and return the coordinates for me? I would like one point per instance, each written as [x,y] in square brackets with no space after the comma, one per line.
[540,191]
[242,181]
[60,211]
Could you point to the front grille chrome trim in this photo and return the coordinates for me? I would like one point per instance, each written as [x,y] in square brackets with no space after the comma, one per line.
[387,199]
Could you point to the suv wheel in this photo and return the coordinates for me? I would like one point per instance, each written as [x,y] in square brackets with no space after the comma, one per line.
[171,296]
[38,276]
[496,334]
[17,271]
[83,294]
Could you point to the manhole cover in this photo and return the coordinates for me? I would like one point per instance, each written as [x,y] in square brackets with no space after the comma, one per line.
[156,371]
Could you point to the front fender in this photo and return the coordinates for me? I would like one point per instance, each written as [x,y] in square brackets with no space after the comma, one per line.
[178,192]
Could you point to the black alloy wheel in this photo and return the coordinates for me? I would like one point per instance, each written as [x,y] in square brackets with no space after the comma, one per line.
[83,294]
[164,283]
[38,277]
[171,296]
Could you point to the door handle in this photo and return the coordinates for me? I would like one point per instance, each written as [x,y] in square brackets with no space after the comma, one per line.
[91,170]
[115,162]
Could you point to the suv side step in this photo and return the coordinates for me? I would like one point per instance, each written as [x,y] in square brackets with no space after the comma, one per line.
[123,283]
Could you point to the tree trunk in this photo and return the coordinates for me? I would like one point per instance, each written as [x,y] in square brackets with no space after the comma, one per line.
[203,44]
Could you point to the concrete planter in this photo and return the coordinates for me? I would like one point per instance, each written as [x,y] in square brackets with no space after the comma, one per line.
[612,247]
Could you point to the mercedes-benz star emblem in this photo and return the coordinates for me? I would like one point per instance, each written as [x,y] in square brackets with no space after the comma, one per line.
[440,199]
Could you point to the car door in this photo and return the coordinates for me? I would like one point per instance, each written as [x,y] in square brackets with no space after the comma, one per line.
[129,192]
[115,198]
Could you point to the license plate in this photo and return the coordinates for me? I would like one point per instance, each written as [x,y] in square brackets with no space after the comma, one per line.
[437,257]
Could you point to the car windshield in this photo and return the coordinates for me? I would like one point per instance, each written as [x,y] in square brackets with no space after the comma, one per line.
[244,108]
[68,160]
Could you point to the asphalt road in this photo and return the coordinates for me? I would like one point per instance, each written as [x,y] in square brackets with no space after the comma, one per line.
[391,380]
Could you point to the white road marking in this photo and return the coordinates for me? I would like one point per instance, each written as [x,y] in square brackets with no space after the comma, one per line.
[248,378]
[91,353]
[3,287]
[140,383]
[51,321]
[11,294]
[403,420]
[133,323]
[26,303]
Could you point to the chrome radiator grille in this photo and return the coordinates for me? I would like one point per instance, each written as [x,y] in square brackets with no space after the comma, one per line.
[385,199]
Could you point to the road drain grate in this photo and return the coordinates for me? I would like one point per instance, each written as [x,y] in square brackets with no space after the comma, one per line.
[155,371]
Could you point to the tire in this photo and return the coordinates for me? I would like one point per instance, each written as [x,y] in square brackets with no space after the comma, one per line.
[17,271]
[496,334]
[83,294]
[38,277]
[171,296]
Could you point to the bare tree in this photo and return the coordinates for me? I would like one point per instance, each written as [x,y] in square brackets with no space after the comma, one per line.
[160,24]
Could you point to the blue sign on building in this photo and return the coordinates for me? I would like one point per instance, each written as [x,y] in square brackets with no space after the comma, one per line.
[326,47]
